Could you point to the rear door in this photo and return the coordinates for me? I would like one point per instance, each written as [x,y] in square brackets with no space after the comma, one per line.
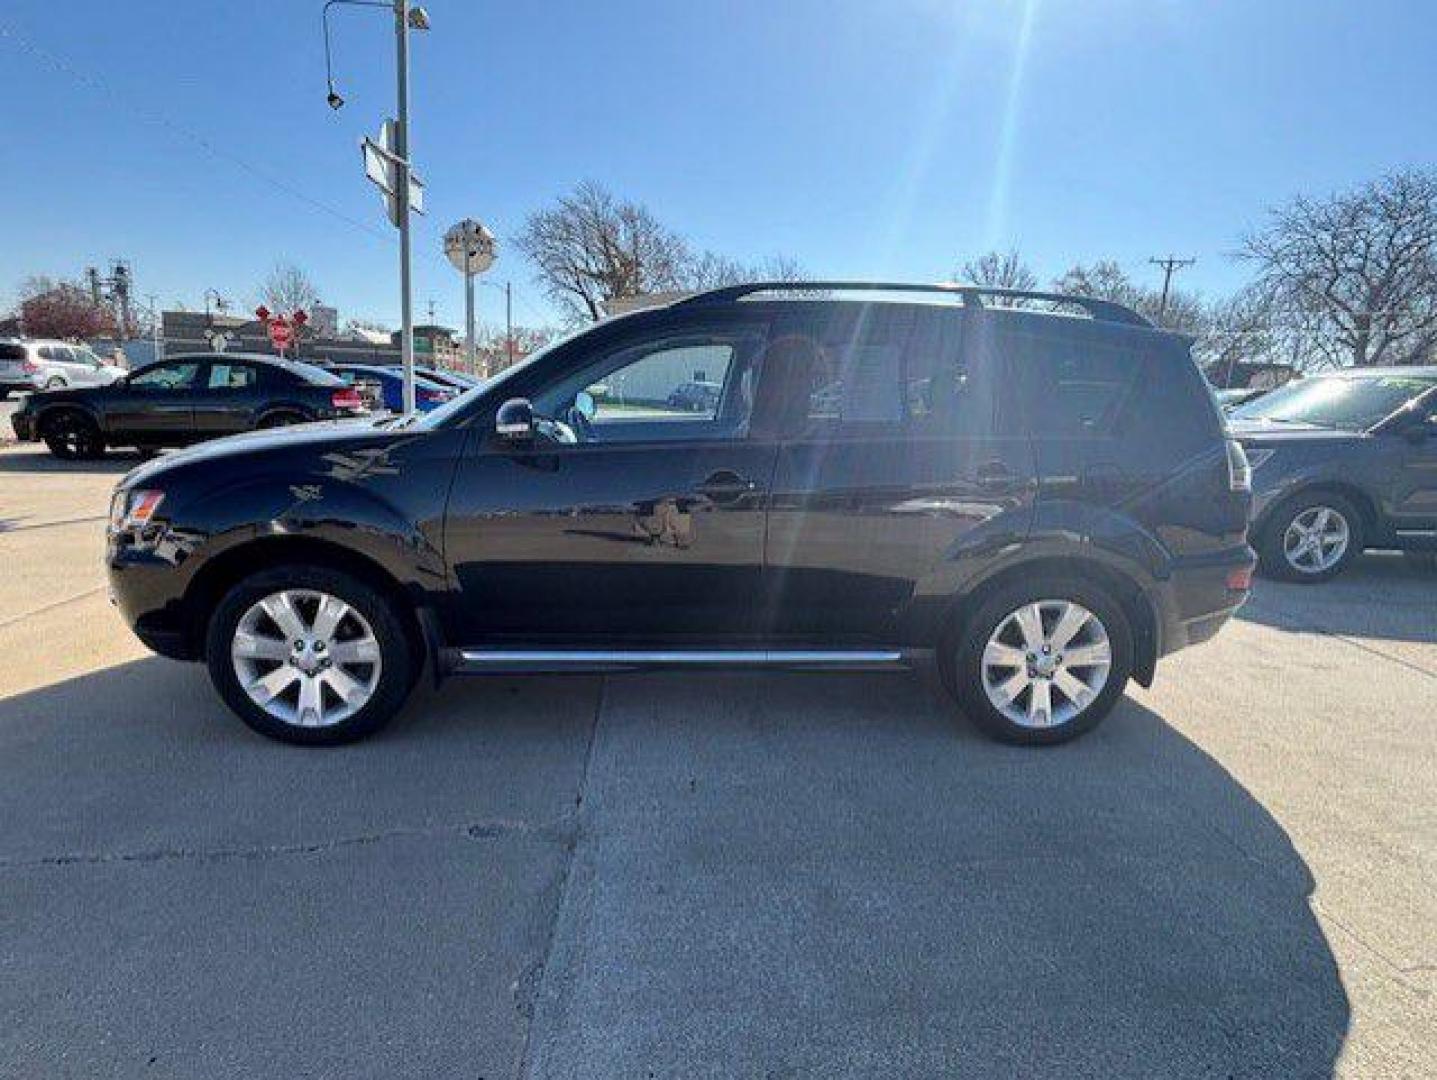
[155,406]
[897,471]
[1414,501]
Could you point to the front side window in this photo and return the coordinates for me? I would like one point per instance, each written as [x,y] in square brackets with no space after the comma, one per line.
[675,386]
[167,377]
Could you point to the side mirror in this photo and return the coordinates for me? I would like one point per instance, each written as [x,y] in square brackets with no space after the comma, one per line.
[515,421]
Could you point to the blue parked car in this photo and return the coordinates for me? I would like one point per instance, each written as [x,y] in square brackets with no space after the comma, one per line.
[427,394]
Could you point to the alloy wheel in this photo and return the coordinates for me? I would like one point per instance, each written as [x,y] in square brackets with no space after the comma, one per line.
[1316,540]
[1046,662]
[306,657]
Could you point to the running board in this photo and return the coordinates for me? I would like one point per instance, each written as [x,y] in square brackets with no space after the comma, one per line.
[521,661]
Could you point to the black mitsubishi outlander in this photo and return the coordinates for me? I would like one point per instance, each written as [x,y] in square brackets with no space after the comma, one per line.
[1035,492]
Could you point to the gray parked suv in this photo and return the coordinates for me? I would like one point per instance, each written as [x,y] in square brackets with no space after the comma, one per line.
[51,365]
[1342,462]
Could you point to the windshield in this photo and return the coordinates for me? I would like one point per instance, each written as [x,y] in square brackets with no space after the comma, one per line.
[1333,401]
[456,406]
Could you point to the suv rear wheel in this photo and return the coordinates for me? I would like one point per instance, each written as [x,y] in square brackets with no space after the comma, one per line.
[1311,538]
[1044,660]
[309,655]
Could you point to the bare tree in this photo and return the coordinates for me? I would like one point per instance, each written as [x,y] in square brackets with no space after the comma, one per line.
[998,270]
[1106,280]
[591,247]
[288,289]
[1358,268]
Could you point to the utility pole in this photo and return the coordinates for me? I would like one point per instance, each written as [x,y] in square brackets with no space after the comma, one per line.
[155,328]
[509,320]
[401,148]
[1170,265]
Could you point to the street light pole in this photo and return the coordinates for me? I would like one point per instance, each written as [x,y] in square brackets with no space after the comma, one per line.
[401,138]
[469,354]
[509,320]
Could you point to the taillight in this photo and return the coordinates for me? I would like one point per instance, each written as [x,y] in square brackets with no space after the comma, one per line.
[1239,472]
[347,398]
[432,396]
[29,367]
[1239,578]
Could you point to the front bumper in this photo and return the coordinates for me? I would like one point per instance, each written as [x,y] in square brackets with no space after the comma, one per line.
[148,590]
[24,425]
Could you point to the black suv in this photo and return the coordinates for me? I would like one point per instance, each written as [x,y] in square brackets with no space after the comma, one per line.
[1342,462]
[1043,503]
[182,400]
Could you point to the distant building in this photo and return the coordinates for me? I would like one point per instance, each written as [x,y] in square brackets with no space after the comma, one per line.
[195,331]
[324,321]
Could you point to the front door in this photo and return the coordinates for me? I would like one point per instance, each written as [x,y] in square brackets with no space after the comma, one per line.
[647,528]
[1414,500]
[896,478]
[155,406]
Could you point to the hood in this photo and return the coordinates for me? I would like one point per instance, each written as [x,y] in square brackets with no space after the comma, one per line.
[317,437]
[1268,432]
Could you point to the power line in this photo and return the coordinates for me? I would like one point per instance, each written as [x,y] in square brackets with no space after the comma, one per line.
[107,93]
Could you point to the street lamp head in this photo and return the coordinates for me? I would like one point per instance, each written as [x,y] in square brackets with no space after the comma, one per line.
[335,101]
[418,18]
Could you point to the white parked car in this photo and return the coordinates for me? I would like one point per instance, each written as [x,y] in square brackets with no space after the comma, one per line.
[51,365]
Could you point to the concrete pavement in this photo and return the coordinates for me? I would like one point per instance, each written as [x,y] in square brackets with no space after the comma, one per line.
[727,875]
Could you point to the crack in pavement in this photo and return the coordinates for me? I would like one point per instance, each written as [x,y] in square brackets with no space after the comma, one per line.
[530,986]
[559,830]
[50,607]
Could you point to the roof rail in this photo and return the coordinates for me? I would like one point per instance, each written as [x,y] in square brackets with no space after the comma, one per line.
[1100,310]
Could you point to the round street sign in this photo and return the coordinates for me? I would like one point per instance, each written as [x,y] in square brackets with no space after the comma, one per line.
[471,239]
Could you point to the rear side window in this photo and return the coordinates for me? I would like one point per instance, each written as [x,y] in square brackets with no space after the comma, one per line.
[886,368]
[12,352]
[232,377]
[1080,388]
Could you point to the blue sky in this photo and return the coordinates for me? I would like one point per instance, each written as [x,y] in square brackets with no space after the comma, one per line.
[866,138]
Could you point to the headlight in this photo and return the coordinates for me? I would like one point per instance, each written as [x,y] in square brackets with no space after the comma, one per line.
[134,509]
[1257,457]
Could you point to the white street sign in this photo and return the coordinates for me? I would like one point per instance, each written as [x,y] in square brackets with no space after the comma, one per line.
[381,166]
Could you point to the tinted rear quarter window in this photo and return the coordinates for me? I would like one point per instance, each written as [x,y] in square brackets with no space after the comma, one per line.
[12,352]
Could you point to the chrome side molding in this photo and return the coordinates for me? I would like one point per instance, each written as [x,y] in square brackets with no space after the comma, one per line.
[512,661]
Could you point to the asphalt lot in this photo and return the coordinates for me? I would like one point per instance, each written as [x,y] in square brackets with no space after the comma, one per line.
[721,875]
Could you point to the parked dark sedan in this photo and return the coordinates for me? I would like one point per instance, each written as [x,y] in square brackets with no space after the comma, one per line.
[182,400]
[1342,462]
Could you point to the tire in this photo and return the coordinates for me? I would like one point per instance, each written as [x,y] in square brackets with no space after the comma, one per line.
[998,621]
[371,626]
[72,436]
[1276,544]
[282,418]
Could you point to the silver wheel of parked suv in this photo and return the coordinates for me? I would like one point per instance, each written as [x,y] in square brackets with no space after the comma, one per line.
[308,654]
[306,657]
[1310,538]
[1042,660]
[1046,662]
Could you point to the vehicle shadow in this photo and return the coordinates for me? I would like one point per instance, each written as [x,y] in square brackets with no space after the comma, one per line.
[39,460]
[772,874]
[1381,595]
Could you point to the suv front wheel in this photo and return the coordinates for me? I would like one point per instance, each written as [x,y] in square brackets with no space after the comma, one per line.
[1311,538]
[309,655]
[1043,661]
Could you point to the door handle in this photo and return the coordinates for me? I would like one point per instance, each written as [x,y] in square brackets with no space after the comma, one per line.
[995,477]
[725,484]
